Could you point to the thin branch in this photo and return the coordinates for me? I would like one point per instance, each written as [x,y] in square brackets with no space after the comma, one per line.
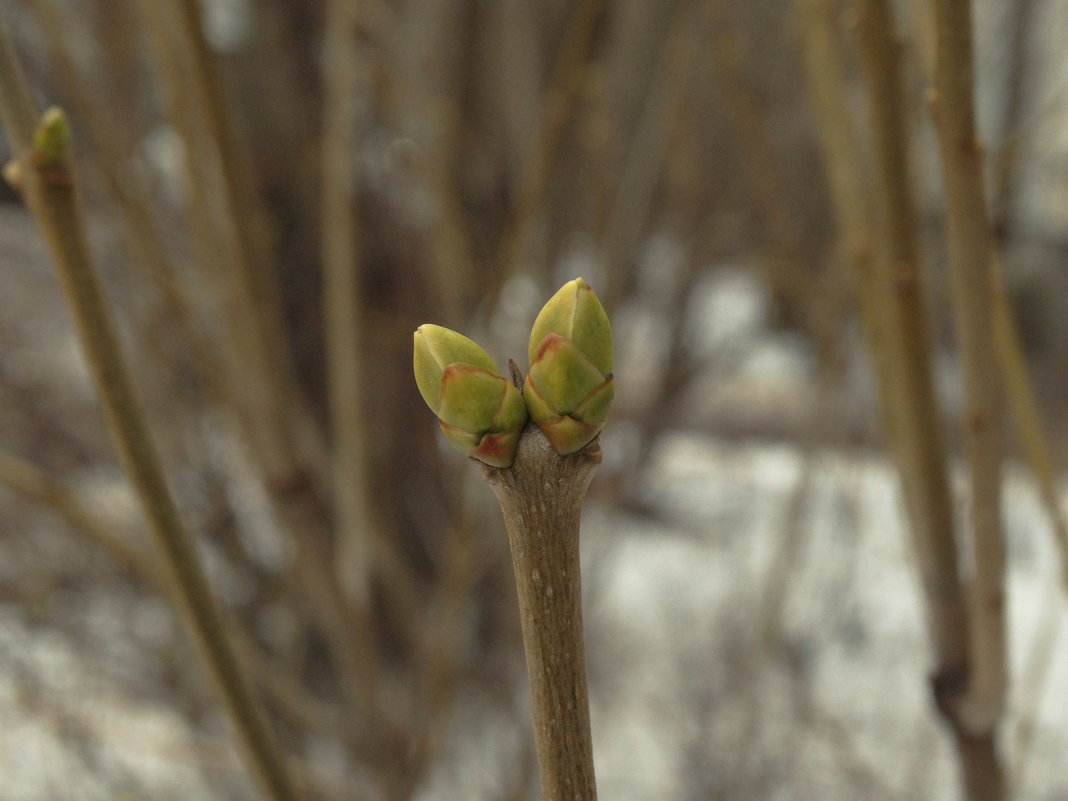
[910,387]
[969,242]
[212,235]
[342,300]
[111,145]
[284,431]
[1034,682]
[461,566]
[47,183]
[827,84]
[17,107]
[266,428]
[569,73]
[356,533]
[33,483]
[301,706]
[800,280]
[1023,405]
[1015,94]
[643,168]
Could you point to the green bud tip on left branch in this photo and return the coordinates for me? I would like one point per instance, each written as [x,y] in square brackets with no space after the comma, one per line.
[51,142]
[50,152]
[480,412]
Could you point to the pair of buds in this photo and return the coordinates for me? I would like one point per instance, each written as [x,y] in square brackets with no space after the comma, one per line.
[567,390]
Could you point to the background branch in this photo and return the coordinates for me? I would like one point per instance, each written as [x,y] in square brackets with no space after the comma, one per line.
[47,184]
[969,240]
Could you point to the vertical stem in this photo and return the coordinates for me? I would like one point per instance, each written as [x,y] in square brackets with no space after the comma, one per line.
[47,183]
[827,84]
[111,144]
[1019,78]
[648,152]
[1020,398]
[356,534]
[17,107]
[541,501]
[969,242]
[569,72]
[922,453]
[260,333]
[911,388]
[263,414]
[342,301]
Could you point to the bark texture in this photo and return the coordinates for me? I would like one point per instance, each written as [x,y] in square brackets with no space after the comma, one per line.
[541,500]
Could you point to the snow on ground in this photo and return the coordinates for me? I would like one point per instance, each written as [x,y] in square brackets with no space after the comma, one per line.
[852,623]
[690,699]
[719,668]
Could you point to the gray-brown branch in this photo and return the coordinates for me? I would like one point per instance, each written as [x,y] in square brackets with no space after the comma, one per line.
[541,500]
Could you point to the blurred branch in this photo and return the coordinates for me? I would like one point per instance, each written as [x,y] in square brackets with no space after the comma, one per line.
[212,235]
[37,485]
[272,424]
[793,273]
[910,382]
[343,302]
[569,73]
[1034,682]
[111,146]
[293,700]
[46,180]
[792,542]
[669,88]
[359,547]
[827,84]
[969,242]
[17,107]
[255,319]
[1025,414]
[441,635]
[1014,95]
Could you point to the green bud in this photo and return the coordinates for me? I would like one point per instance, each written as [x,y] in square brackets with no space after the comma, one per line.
[51,141]
[479,411]
[569,387]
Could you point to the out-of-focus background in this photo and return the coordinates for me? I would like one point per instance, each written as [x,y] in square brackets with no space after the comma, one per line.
[278,192]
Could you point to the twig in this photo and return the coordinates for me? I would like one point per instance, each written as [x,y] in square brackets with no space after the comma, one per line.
[569,72]
[827,84]
[342,301]
[968,238]
[301,706]
[541,498]
[439,655]
[47,183]
[264,424]
[1015,94]
[1034,682]
[31,482]
[910,388]
[1020,395]
[213,238]
[642,170]
[285,434]
[799,279]
[111,144]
